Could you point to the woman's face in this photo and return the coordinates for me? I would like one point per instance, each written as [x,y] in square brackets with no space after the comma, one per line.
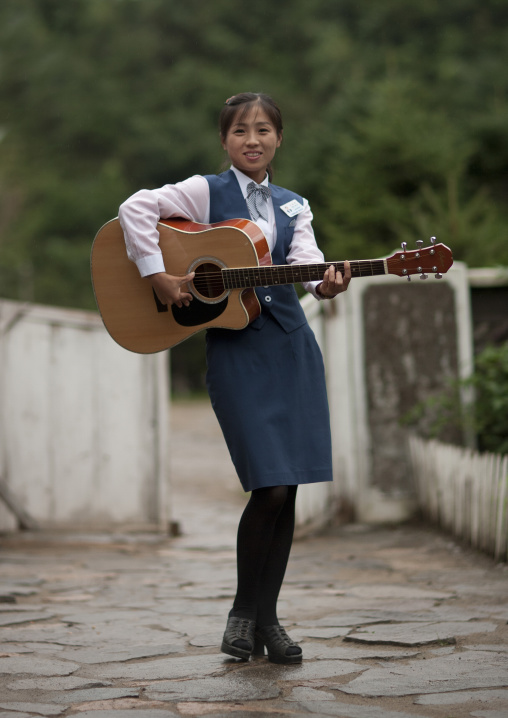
[251,142]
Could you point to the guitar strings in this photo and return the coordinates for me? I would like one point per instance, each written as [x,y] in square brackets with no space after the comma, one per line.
[266,274]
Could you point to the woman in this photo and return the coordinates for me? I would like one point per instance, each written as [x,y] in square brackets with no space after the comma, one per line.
[266,382]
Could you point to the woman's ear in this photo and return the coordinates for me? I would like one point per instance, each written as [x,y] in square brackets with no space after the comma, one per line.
[279,139]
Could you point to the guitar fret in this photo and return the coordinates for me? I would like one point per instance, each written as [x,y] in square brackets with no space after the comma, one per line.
[273,275]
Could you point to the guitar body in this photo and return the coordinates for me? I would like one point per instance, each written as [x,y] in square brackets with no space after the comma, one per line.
[130,310]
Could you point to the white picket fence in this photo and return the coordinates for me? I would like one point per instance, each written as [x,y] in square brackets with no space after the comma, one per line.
[463,491]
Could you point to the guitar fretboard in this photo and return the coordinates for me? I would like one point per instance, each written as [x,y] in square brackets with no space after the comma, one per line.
[294,273]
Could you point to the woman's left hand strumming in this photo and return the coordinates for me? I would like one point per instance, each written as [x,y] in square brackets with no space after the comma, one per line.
[334,282]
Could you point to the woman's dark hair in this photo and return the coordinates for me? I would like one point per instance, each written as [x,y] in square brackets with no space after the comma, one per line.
[239,105]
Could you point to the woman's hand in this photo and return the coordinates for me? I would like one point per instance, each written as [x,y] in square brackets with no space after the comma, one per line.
[333,282]
[170,289]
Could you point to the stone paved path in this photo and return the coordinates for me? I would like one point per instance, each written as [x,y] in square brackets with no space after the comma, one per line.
[393,622]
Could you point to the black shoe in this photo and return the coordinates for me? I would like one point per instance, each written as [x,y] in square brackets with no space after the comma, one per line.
[281,648]
[238,640]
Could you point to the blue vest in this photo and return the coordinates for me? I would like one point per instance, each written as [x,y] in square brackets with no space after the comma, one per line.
[227,202]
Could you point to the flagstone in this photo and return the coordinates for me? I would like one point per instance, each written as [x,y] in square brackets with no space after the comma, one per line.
[419,634]
[362,618]
[95,694]
[59,683]
[303,694]
[207,639]
[101,638]
[448,699]
[393,590]
[299,633]
[13,648]
[229,712]
[14,590]
[99,655]
[142,623]
[44,709]
[325,708]
[231,688]
[306,670]
[13,618]
[97,617]
[351,653]
[133,713]
[183,667]
[459,671]
[35,665]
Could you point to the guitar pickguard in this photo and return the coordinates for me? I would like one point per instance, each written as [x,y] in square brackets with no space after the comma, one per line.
[198,313]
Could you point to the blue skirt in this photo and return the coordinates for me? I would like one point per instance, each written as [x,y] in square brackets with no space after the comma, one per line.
[268,391]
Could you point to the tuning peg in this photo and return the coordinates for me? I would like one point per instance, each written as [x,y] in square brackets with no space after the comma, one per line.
[424,276]
[408,277]
[404,246]
[432,240]
[419,243]
[439,276]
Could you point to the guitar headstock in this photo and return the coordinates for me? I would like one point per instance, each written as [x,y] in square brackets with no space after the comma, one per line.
[436,259]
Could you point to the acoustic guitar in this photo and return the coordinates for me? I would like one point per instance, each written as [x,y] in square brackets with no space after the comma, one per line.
[229,259]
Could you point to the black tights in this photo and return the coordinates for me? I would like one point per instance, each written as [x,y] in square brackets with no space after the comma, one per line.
[265,535]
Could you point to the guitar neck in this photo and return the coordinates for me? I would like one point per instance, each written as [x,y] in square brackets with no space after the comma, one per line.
[271,275]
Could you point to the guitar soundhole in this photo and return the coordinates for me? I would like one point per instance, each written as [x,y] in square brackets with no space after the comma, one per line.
[208,281]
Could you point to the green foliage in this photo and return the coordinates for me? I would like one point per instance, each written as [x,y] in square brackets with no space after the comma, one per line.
[486,416]
[396,120]
[490,383]
[403,171]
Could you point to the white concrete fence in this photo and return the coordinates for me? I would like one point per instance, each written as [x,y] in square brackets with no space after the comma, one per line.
[83,424]
[463,491]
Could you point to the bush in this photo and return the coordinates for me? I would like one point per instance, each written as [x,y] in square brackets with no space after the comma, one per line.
[490,383]
[486,415]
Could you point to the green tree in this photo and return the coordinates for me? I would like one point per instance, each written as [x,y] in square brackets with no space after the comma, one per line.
[396,117]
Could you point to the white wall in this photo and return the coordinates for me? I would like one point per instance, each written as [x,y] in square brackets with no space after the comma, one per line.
[83,423]
[339,328]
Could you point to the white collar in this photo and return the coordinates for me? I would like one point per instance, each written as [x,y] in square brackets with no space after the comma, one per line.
[243,180]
